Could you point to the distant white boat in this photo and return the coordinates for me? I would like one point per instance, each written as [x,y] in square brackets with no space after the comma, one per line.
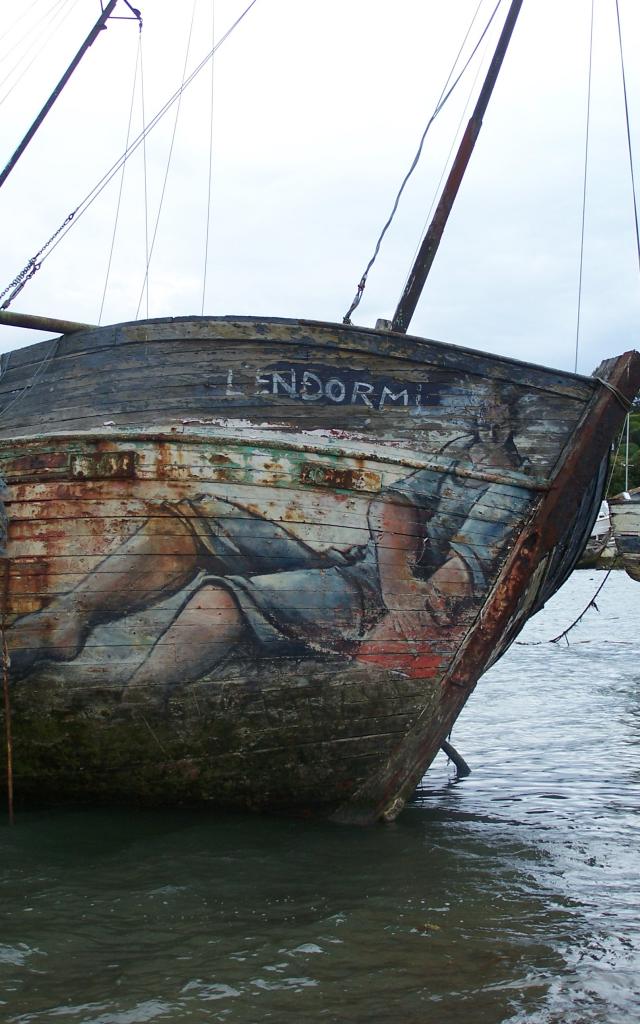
[598,539]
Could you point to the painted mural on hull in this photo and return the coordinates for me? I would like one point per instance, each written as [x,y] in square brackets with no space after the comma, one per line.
[402,599]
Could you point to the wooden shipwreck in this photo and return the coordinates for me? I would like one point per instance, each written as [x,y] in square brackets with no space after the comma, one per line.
[263,563]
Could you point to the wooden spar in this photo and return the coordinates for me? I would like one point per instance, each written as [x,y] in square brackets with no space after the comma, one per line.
[93,35]
[42,323]
[424,260]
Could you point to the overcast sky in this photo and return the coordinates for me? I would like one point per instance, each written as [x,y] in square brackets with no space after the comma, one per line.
[318,109]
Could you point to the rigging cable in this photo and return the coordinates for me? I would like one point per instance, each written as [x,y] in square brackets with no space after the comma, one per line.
[145,180]
[15,24]
[62,16]
[444,96]
[35,29]
[584,192]
[34,264]
[117,216]
[626,113]
[145,284]
[206,237]
[454,143]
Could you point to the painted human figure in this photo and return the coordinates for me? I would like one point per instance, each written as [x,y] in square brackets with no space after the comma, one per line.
[434,540]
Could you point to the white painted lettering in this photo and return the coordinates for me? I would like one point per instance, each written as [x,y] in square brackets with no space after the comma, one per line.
[288,386]
[361,390]
[230,391]
[263,385]
[335,390]
[310,379]
[387,393]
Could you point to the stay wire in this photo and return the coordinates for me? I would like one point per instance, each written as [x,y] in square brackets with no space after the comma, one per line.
[38,44]
[35,263]
[145,284]
[31,35]
[145,186]
[452,148]
[25,13]
[584,192]
[206,239]
[444,96]
[117,215]
[626,112]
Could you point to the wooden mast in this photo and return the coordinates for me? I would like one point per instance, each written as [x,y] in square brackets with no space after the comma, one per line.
[422,266]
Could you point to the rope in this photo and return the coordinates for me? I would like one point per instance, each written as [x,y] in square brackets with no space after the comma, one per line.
[626,113]
[145,283]
[444,96]
[624,401]
[117,216]
[592,602]
[33,265]
[584,191]
[565,632]
[206,239]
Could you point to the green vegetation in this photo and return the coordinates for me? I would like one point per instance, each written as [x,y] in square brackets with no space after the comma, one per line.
[617,478]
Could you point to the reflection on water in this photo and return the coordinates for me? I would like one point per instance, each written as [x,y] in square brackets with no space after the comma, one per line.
[510,896]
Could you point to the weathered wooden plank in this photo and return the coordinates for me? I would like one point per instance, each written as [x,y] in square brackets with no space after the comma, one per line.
[299,334]
[625,520]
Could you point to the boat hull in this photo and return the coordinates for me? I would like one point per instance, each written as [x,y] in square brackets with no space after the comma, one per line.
[264,563]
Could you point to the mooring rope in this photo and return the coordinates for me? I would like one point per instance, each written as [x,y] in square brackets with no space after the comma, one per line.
[592,602]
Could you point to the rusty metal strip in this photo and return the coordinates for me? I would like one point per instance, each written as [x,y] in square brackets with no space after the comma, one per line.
[377,453]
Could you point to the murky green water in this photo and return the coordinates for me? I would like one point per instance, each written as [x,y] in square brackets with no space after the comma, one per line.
[510,896]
